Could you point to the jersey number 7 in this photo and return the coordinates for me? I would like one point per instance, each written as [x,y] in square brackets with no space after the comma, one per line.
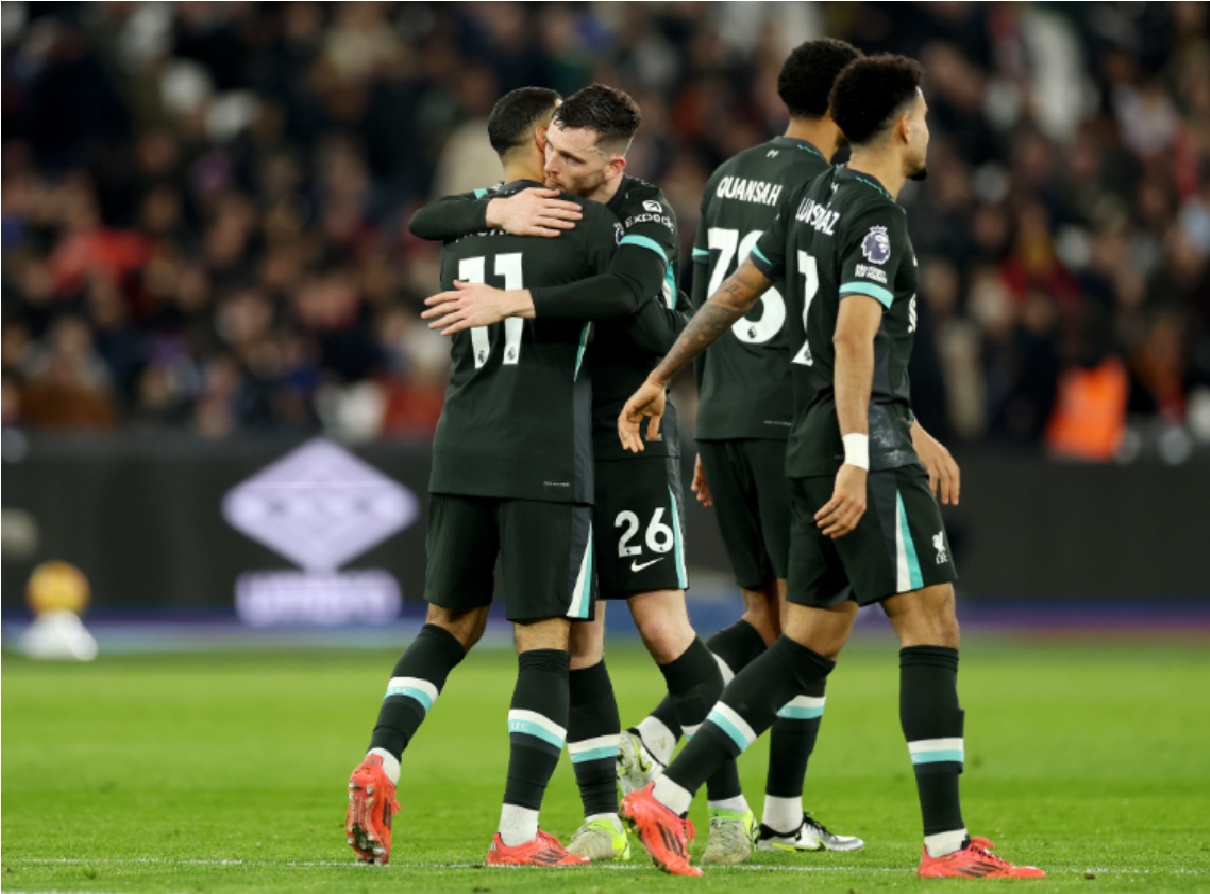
[508,268]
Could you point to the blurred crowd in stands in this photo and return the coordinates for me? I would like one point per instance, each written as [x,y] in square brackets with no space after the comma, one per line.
[205,204]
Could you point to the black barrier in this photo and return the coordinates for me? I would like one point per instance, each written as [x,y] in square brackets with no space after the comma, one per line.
[331,535]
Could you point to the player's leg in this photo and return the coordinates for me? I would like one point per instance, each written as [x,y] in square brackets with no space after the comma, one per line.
[592,743]
[695,683]
[733,490]
[913,563]
[747,707]
[815,631]
[546,551]
[785,823]
[461,545]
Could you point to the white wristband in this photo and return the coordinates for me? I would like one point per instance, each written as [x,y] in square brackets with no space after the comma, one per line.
[857,451]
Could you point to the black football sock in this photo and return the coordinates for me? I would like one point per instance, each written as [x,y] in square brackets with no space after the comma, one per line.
[932,724]
[736,645]
[537,725]
[791,742]
[695,683]
[747,708]
[415,684]
[592,738]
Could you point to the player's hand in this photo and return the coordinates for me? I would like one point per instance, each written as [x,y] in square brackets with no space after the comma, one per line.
[841,514]
[945,479]
[648,402]
[699,486]
[537,211]
[469,304]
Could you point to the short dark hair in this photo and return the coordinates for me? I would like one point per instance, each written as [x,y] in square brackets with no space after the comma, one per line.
[871,92]
[805,80]
[612,113]
[515,115]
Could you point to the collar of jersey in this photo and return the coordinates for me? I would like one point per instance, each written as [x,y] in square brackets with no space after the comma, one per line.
[798,144]
[503,187]
[844,173]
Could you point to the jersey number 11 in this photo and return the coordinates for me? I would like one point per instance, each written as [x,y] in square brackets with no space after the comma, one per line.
[508,268]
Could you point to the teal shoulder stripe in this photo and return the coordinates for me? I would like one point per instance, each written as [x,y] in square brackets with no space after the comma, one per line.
[700,254]
[756,251]
[876,186]
[644,242]
[864,288]
[480,192]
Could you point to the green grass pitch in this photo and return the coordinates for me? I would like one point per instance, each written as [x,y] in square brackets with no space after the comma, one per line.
[227,772]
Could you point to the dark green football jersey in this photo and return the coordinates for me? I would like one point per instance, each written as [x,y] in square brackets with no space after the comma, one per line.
[744,377]
[619,364]
[842,234]
[517,416]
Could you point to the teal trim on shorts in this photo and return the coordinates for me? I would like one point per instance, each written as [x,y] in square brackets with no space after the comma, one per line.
[644,242]
[682,576]
[584,333]
[909,548]
[883,296]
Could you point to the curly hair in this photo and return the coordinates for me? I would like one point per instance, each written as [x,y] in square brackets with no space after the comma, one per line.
[806,78]
[612,113]
[871,92]
[515,115]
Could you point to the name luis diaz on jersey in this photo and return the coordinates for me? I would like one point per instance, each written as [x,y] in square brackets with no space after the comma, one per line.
[820,217]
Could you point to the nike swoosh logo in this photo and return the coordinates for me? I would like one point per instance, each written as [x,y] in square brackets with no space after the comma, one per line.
[639,566]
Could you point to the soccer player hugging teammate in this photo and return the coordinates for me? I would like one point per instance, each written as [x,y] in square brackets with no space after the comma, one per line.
[638,514]
[860,498]
[512,478]
[743,421]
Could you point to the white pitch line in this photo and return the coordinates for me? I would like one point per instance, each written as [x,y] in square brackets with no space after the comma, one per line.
[613,867]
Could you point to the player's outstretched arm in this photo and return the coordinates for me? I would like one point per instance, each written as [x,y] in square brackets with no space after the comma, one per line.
[734,298]
[945,479]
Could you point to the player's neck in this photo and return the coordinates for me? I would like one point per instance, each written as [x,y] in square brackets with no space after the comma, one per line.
[606,191]
[819,132]
[522,170]
[885,167]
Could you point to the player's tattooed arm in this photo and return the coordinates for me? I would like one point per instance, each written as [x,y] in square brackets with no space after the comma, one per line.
[735,297]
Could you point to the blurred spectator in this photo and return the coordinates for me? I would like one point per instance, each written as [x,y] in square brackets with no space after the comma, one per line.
[203,204]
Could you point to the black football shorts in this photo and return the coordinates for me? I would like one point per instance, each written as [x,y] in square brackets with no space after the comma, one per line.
[899,544]
[545,553]
[639,521]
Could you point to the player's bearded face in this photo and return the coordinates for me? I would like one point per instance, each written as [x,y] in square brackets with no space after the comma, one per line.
[574,163]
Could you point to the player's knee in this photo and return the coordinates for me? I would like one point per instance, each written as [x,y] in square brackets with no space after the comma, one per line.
[465,626]
[762,610]
[666,638]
